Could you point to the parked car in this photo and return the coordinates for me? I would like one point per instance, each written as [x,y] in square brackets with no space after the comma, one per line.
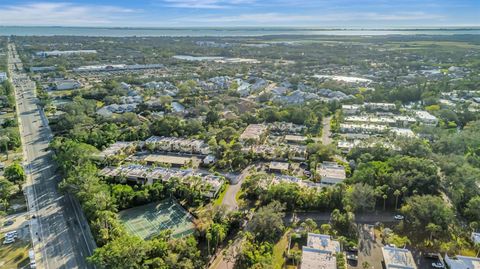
[8,241]
[11,233]
[8,223]
[398,217]
[352,257]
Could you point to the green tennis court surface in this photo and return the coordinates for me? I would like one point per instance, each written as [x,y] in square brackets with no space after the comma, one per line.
[148,220]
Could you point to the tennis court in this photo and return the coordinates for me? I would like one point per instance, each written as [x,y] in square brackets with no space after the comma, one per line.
[148,220]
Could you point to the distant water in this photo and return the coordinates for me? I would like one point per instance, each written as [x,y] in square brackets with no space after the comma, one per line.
[125,32]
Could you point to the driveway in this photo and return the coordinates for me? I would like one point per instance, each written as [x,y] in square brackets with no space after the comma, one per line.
[326,130]
[229,199]
[322,216]
[369,250]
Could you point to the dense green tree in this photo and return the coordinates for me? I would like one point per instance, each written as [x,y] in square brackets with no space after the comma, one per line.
[360,197]
[267,222]
[124,252]
[15,174]
[422,210]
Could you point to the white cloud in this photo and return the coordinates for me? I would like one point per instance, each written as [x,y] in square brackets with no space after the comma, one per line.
[69,14]
[64,14]
[298,19]
[207,4]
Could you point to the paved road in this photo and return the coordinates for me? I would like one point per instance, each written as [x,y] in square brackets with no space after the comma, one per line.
[367,218]
[60,233]
[326,131]
[229,199]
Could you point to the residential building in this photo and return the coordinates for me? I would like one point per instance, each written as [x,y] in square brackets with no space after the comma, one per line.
[64,52]
[278,167]
[155,159]
[66,84]
[380,106]
[254,132]
[363,128]
[462,262]
[280,127]
[351,109]
[396,258]
[176,144]
[331,173]
[426,118]
[404,132]
[291,179]
[118,148]
[295,139]
[320,252]
[116,67]
[148,175]
[43,68]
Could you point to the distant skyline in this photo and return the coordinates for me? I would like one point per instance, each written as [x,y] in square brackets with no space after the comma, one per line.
[235,13]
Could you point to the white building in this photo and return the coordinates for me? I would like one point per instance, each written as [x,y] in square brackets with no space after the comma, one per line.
[426,118]
[320,252]
[254,132]
[350,109]
[462,262]
[396,258]
[331,173]
[380,106]
[177,144]
[67,84]
[64,52]
[363,128]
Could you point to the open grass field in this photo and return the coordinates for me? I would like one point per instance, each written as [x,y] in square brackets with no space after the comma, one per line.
[148,220]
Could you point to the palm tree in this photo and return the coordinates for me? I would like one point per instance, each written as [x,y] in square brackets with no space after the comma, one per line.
[5,139]
[384,201]
[208,236]
[433,228]
[396,193]
[477,246]
[204,222]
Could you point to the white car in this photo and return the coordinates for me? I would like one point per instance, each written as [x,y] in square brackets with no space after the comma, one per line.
[8,241]
[398,217]
[12,232]
[437,265]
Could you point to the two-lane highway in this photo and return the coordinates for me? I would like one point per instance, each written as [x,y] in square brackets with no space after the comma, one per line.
[60,233]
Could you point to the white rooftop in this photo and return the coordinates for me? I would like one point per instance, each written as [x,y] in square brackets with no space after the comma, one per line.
[398,258]
[462,262]
[320,251]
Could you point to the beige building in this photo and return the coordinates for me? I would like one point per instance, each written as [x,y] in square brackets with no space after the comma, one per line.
[320,252]
[330,173]
[254,132]
[396,258]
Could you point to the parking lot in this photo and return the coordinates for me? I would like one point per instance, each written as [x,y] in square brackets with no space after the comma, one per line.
[423,261]
[369,250]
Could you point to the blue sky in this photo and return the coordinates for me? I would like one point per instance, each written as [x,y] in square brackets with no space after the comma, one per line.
[265,13]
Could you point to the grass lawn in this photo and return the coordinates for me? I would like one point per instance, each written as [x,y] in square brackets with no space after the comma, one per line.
[14,255]
[278,251]
[238,196]
[219,199]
